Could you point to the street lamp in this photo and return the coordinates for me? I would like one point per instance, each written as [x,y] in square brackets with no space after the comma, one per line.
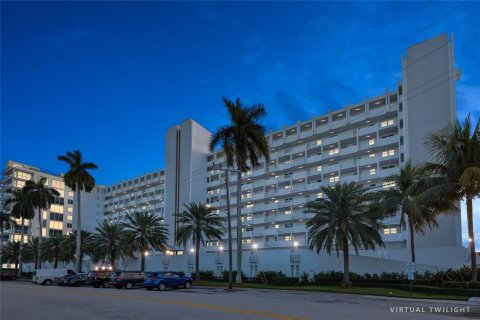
[192,250]
[255,246]
[295,244]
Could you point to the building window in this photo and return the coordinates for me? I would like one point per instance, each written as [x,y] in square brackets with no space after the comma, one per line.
[387,123]
[288,238]
[319,195]
[319,142]
[389,184]
[388,153]
[334,178]
[23,175]
[277,226]
[373,171]
[333,151]
[371,142]
[58,184]
[390,230]
[319,168]
[56,208]
[371,155]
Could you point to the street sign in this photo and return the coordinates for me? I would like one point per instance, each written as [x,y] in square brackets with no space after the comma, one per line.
[411,271]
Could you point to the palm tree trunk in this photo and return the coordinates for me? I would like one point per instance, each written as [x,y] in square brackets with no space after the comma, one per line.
[40,233]
[412,235]
[471,238]
[55,262]
[142,263]
[78,256]
[197,258]
[346,265]
[22,237]
[112,260]
[239,225]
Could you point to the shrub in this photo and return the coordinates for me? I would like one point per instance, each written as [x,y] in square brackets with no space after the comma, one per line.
[304,278]
[285,281]
[205,275]
[269,276]
[234,275]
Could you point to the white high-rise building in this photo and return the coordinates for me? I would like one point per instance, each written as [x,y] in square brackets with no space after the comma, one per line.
[366,143]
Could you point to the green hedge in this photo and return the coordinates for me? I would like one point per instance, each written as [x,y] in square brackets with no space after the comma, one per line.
[424,289]
[285,281]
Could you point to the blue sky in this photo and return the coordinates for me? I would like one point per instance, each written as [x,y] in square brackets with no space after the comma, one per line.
[109,78]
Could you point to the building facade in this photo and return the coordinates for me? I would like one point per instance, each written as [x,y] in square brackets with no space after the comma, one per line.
[366,142]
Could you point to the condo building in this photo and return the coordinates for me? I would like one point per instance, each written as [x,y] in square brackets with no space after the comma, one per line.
[365,142]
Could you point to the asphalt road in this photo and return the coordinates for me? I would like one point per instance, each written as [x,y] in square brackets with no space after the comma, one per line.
[25,301]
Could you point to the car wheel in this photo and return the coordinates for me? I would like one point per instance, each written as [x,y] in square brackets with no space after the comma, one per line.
[47,282]
[187,285]
[161,286]
[129,285]
[96,285]
[106,284]
[118,287]
[149,288]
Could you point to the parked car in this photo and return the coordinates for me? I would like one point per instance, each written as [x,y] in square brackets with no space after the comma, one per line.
[127,279]
[165,279]
[99,278]
[47,276]
[8,274]
[76,280]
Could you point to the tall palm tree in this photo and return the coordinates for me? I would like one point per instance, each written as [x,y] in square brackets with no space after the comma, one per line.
[53,250]
[108,241]
[42,197]
[22,208]
[143,230]
[11,254]
[198,223]
[244,143]
[31,252]
[69,244]
[456,172]
[417,212]
[342,218]
[5,223]
[78,178]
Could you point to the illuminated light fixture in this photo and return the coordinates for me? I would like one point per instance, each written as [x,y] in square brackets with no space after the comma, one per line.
[96,268]
[103,268]
[295,244]
[192,250]
[110,268]
[255,246]
[146,253]
[221,248]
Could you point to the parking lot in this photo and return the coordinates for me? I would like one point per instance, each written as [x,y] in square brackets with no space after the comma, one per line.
[25,301]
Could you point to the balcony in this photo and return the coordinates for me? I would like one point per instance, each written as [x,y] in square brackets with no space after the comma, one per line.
[367,161]
[348,150]
[315,158]
[367,130]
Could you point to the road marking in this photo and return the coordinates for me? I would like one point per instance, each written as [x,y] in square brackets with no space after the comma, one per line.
[263,314]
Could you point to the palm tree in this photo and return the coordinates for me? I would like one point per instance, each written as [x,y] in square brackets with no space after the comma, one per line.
[143,230]
[243,141]
[52,250]
[344,217]
[419,213]
[22,208]
[198,223]
[456,173]
[42,198]
[69,244]
[11,254]
[5,223]
[31,252]
[78,178]
[109,242]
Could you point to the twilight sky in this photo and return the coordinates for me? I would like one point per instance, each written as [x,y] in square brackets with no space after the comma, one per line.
[109,78]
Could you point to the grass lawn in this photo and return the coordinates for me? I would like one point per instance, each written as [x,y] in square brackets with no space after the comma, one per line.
[337,289]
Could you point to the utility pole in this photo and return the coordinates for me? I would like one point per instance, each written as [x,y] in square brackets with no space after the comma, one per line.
[229,223]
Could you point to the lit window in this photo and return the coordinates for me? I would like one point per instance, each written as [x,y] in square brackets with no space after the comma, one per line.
[371,155]
[19,184]
[319,142]
[56,225]
[333,151]
[277,201]
[23,175]
[69,218]
[371,142]
[277,226]
[288,238]
[56,208]
[288,212]
[58,184]
[389,184]
[250,205]
[319,195]
[44,215]
[288,186]
[373,171]
[388,153]
[390,231]
[387,123]
[319,168]
[334,179]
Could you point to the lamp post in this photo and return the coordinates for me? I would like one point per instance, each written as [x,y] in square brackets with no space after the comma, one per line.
[146,255]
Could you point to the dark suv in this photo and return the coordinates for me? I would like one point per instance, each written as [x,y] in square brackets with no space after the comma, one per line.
[99,278]
[127,279]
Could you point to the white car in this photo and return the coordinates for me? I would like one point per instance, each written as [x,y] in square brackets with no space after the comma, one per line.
[46,276]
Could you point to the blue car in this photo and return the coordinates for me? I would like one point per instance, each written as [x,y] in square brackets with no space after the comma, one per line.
[164,279]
